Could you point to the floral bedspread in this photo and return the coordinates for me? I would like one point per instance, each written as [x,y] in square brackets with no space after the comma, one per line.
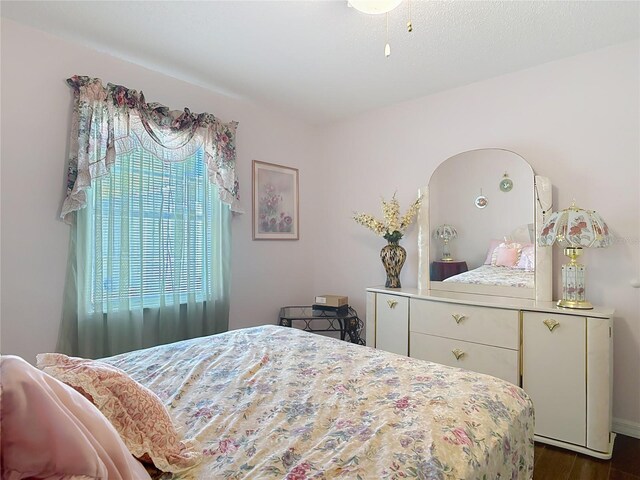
[279,403]
[494,275]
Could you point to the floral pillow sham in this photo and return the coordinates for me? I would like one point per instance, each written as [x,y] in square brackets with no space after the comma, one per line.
[137,413]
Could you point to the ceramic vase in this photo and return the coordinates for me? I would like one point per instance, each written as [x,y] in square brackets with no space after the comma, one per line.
[393,257]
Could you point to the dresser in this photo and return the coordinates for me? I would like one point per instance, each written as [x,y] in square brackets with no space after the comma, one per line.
[562,358]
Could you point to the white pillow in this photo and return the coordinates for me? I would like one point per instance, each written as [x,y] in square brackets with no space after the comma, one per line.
[527,258]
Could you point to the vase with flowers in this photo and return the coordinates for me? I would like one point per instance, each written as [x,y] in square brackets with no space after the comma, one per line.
[392,227]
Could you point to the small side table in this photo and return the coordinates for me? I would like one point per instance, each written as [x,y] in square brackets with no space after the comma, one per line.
[345,321]
[443,270]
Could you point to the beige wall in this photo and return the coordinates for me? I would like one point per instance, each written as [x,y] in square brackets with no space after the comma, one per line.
[575,121]
[36,107]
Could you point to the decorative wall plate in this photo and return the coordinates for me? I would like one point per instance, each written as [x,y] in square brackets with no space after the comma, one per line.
[506,184]
[481,201]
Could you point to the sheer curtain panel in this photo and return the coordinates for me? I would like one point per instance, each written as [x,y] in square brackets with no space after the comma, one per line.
[150,196]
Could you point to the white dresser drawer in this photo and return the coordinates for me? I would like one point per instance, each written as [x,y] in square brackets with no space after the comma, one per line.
[486,325]
[496,361]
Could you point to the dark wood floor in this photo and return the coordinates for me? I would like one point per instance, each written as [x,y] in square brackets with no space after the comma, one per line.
[552,463]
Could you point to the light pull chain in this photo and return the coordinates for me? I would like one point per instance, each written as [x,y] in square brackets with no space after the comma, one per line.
[387,48]
[409,24]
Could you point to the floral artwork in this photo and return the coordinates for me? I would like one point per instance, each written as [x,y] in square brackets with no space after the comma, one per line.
[275,202]
[271,217]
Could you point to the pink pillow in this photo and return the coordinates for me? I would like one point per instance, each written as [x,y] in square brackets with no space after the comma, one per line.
[50,431]
[136,412]
[505,245]
[492,246]
[527,258]
[507,257]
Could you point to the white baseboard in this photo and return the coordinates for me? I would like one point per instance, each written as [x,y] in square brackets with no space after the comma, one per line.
[625,427]
[576,448]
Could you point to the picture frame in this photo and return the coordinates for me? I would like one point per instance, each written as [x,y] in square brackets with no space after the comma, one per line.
[275,202]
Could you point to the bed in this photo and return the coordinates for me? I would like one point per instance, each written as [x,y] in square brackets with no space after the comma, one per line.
[496,275]
[260,403]
[279,403]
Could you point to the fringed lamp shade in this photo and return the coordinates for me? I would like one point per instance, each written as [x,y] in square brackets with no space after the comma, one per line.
[445,233]
[574,228]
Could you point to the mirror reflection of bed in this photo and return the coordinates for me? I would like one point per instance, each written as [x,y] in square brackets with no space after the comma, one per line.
[491,197]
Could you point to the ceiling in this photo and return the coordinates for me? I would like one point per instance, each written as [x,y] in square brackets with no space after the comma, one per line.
[322,61]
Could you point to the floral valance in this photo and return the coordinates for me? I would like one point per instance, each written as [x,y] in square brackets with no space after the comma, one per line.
[112,120]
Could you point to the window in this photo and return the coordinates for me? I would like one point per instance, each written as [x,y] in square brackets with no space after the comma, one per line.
[150,194]
[151,241]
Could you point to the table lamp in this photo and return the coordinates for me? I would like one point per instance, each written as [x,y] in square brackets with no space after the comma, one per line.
[445,233]
[574,228]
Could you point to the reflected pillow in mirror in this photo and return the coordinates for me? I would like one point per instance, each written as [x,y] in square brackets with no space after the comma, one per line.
[507,257]
[493,244]
[527,258]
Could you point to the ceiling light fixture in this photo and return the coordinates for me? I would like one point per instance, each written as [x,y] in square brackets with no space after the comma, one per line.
[378,7]
[374,7]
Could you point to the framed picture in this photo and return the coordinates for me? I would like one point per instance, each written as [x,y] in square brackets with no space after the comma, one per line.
[275,202]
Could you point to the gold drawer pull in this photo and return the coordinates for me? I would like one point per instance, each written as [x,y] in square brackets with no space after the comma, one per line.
[392,303]
[457,317]
[551,324]
[458,353]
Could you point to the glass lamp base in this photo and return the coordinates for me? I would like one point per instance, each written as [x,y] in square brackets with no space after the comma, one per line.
[583,304]
[573,276]
[446,254]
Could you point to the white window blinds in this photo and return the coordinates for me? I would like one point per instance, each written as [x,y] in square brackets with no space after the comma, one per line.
[150,232]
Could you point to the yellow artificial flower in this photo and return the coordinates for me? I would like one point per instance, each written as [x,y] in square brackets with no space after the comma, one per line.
[393,225]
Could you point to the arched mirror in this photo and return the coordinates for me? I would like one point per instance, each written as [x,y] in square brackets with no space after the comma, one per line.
[479,222]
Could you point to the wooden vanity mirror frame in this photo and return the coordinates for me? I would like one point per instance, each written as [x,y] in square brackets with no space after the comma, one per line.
[542,291]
